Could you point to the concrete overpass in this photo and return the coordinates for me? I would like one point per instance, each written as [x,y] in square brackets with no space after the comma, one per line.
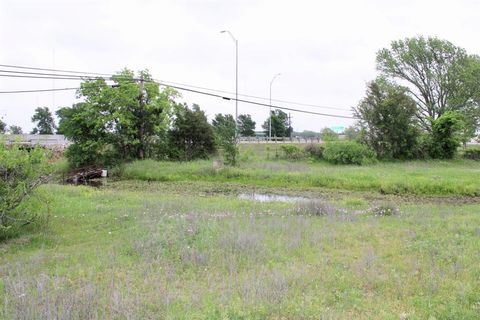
[45,140]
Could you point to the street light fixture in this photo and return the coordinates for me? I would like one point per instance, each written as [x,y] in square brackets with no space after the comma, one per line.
[270,116]
[236,80]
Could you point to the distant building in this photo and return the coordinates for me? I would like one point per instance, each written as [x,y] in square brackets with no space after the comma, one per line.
[45,140]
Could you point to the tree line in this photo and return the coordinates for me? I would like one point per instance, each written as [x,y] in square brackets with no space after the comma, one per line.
[424,103]
[134,118]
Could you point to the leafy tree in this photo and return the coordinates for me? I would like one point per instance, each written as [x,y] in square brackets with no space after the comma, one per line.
[388,121]
[328,134]
[114,123]
[191,136]
[224,128]
[280,124]
[352,133]
[446,135]
[45,124]
[21,171]
[15,129]
[3,126]
[439,75]
[246,126]
[93,140]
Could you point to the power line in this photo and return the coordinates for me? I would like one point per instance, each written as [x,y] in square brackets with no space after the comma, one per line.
[45,74]
[257,103]
[38,90]
[55,70]
[67,77]
[178,83]
[62,76]
[42,77]
[257,97]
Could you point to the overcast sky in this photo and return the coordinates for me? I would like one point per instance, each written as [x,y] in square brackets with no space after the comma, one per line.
[325,50]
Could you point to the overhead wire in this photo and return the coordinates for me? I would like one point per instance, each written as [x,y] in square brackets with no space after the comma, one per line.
[182,84]
[258,103]
[39,75]
[38,90]
[55,70]
[61,76]
[258,97]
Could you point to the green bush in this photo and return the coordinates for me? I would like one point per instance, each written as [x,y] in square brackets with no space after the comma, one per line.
[348,152]
[292,152]
[21,170]
[87,153]
[446,136]
[473,154]
[314,150]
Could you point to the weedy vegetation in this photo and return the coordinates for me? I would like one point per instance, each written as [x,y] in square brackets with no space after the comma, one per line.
[173,241]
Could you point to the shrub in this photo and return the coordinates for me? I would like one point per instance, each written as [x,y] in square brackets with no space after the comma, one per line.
[86,153]
[292,152]
[20,172]
[348,152]
[473,154]
[446,136]
[422,150]
[314,150]
[225,137]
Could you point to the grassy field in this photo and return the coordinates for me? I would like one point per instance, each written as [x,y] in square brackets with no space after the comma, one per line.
[437,178]
[176,241]
[186,251]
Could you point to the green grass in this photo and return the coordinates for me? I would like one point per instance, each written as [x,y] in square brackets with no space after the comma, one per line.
[175,242]
[137,250]
[427,178]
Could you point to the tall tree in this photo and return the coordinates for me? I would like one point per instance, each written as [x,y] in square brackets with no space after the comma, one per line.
[43,118]
[387,120]
[119,122]
[439,76]
[246,126]
[15,129]
[191,136]
[224,128]
[280,124]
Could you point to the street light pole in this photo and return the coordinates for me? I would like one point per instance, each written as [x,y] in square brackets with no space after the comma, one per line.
[236,81]
[270,115]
